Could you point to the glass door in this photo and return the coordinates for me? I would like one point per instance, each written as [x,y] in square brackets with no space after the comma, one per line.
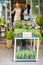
[2,21]
[35,7]
[2,8]
[8,12]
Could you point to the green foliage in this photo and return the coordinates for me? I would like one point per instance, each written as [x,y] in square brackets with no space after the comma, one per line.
[3,21]
[36,32]
[19,21]
[19,30]
[32,53]
[10,34]
[23,26]
[25,53]
[0,22]
[39,20]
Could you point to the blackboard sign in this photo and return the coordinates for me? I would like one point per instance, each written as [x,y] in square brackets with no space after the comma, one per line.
[21,1]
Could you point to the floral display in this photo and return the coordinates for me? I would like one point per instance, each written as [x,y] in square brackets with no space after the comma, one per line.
[26,26]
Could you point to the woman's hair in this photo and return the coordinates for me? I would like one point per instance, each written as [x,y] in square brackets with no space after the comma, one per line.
[28,6]
[17,3]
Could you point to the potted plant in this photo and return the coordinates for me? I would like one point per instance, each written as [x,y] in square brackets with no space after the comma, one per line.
[18,54]
[3,21]
[9,38]
[32,54]
[39,21]
[22,54]
[27,54]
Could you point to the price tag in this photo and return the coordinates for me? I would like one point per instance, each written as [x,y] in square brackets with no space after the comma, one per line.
[27,35]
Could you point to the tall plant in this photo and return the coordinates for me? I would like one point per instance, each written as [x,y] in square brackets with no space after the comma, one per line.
[3,21]
[10,34]
[39,20]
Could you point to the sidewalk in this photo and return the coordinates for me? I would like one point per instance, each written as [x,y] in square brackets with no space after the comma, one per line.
[6,57]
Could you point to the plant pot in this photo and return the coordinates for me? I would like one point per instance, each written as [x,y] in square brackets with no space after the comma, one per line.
[32,56]
[18,54]
[20,34]
[2,34]
[22,56]
[16,35]
[9,43]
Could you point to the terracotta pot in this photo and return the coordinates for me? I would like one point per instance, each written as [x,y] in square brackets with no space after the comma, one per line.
[9,43]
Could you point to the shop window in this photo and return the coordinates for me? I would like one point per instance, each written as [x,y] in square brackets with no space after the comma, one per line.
[35,7]
[2,9]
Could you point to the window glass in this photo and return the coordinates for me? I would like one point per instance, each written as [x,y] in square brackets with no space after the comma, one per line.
[35,7]
[2,8]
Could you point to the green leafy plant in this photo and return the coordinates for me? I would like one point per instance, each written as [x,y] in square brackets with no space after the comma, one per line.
[10,34]
[19,21]
[32,53]
[39,20]
[36,32]
[0,20]
[3,21]
[25,53]
[19,30]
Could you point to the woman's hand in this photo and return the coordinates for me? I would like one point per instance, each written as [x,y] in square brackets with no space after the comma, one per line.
[25,14]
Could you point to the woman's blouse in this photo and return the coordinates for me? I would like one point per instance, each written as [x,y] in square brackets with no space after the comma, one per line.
[17,14]
[26,14]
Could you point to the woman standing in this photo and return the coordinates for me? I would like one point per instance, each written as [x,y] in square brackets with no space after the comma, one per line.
[26,17]
[17,11]
[26,12]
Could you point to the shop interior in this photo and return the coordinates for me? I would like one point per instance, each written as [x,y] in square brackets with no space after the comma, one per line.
[21,46]
[22,3]
[8,6]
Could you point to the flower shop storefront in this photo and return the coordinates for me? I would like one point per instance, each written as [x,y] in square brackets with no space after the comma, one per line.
[25,35]
[8,5]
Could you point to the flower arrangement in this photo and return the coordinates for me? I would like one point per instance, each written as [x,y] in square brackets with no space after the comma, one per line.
[33,24]
[27,26]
